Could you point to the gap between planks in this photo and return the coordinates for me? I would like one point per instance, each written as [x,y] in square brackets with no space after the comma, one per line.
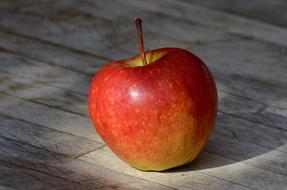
[76,176]
[66,168]
[216,72]
[86,94]
[41,37]
[240,140]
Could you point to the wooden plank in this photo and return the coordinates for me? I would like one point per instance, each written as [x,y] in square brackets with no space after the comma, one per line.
[255,111]
[256,87]
[223,21]
[41,165]
[246,107]
[225,59]
[229,126]
[238,173]
[179,180]
[262,10]
[222,50]
[271,114]
[234,155]
[273,163]
[237,84]
[5,188]
[13,177]
[226,125]
[247,148]
[45,94]
[242,129]
[49,117]
[42,73]
[51,54]
[17,5]
[76,103]
[226,22]
[45,138]
[250,132]
[271,159]
[234,106]
[251,110]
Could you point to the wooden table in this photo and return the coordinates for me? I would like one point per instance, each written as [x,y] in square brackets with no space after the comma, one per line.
[50,49]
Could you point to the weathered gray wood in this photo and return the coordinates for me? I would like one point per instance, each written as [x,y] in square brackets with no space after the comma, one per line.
[271,114]
[244,104]
[13,177]
[5,188]
[52,54]
[60,56]
[252,110]
[43,73]
[273,12]
[222,51]
[232,129]
[243,151]
[230,126]
[25,111]
[45,138]
[214,48]
[45,94]
[237,84]
[251,132]
[233,154]
[221,42]
[77,103]
[248,147]
[180,180]
[252,88]
[64,172]
[220,80]
[226,22]
[49,117]
[256,9]
[238,173]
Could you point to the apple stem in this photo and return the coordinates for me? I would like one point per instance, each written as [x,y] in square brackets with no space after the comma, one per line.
[138,23]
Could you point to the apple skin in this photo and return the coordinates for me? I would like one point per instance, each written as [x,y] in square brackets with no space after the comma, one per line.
[157,116]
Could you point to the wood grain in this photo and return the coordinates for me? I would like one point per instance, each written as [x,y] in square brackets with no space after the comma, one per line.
[237,173]
[245,150]
[201,43]
[229,104]
[45,138]
[49,117]
[272,12]
[50,49]
[210,48]
[28,167]
[266,53]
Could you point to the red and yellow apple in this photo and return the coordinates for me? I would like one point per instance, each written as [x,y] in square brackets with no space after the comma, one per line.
[155,115]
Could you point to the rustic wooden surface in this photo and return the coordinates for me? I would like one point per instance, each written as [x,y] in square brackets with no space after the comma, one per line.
[50,49]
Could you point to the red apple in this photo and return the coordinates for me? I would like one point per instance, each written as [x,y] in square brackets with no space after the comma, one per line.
[157,115]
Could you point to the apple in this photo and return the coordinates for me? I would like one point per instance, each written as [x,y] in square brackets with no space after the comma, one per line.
[156,110]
